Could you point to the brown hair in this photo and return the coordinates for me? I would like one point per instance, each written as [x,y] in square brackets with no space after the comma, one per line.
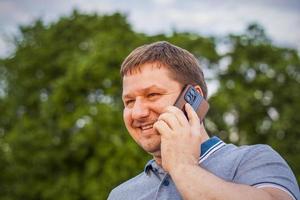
[183,65]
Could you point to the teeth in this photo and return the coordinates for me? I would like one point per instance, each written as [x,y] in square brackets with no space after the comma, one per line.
[147,127]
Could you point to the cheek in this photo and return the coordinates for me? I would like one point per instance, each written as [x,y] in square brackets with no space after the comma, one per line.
[163,103]
[127,118]
[158,108]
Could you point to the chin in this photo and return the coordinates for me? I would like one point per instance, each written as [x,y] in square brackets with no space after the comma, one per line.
[151,146]
[153,151]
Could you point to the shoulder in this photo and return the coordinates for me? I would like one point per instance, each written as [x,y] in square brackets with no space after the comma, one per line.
[247,154]
[260,151]
[142,186]
[261,166]
[228,160]
[248,150]
[255,165]
[258,159]
[232,156]
[261,157]
[124,190]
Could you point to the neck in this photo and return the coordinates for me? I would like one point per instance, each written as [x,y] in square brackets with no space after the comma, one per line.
[204,134]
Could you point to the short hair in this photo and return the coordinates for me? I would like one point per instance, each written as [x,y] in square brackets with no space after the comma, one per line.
[183,65]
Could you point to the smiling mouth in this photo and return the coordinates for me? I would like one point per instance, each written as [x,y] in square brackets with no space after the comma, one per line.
[147,127]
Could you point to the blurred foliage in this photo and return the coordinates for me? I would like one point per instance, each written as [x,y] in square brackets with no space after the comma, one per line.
[258,96]
[61,129]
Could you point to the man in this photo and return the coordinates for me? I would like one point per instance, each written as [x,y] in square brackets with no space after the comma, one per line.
[187,163]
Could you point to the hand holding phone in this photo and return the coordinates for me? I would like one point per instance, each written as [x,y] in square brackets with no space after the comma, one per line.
[180,141]
[190,95]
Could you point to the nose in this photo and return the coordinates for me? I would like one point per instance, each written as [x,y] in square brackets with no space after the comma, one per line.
[140,110]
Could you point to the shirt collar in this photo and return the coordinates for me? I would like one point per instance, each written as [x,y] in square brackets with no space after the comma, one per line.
[210,146]
[207,148]
[211,142]
[148,166]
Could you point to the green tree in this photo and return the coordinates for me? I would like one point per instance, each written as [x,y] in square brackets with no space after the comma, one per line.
[61,129]
[258,97]
[62,135]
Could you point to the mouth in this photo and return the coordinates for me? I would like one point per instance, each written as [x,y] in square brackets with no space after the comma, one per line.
[147,127]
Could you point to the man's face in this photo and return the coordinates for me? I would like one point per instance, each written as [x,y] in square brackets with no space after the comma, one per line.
[145,95]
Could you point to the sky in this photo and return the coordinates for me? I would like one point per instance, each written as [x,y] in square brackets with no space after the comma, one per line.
[280,18]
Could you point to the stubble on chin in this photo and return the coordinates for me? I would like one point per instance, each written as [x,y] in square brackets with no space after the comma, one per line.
[153,150]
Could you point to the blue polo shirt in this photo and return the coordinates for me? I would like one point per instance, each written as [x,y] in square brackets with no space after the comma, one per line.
[256,165]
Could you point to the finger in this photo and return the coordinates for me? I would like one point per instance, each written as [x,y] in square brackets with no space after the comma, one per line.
[170,119]
[179,114]
[162,127]
[192,115]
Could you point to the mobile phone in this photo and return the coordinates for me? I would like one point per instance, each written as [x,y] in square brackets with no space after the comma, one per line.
[190,95]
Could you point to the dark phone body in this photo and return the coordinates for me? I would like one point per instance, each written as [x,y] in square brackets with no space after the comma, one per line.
[190,95]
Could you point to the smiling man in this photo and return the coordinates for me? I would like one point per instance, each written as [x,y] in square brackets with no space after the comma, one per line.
[187,163]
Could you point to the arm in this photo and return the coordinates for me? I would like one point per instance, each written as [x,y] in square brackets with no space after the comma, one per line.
[180,141]
[193,182]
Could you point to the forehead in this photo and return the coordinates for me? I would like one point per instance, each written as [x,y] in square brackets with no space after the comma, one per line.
[146,76]
[143,66]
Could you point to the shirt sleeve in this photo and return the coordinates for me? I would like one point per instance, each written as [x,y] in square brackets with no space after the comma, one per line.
[261,166]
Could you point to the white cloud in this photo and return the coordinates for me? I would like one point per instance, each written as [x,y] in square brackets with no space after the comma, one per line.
[281,19]
[211,17]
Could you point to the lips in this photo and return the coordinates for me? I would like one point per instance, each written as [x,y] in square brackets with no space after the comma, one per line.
[143,125]
[146,127]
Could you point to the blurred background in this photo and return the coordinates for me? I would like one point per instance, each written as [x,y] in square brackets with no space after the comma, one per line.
[61,129]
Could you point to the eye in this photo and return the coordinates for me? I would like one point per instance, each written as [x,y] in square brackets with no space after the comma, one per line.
[129,102]
[153,95]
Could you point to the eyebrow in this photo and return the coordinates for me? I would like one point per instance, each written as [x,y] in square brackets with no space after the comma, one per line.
[146,90]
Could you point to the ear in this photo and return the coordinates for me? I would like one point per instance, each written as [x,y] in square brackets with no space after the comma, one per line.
[198,88]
